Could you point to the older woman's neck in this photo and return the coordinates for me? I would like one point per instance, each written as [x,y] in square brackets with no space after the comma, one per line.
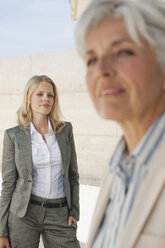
[133,136]
[134,131]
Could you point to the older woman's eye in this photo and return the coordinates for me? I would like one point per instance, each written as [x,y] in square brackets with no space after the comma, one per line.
[125,52]
[91,61]
[39,94]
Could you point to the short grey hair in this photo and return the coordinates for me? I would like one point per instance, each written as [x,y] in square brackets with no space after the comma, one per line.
[143,18]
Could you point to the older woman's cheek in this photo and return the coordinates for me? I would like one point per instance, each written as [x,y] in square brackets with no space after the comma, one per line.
[90,82]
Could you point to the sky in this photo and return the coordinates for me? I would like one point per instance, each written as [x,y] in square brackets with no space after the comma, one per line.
[35,26]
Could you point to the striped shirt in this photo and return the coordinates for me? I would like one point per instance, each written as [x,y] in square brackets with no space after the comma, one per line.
[127,183]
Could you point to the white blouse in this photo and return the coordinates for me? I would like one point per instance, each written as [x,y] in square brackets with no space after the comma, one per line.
[47,165]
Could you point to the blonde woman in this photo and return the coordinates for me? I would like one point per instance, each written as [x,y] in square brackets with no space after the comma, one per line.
[40,189]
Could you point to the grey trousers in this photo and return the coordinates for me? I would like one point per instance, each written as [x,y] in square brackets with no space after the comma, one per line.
[51,223]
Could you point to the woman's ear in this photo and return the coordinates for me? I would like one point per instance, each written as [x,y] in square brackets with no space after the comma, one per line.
[163,84]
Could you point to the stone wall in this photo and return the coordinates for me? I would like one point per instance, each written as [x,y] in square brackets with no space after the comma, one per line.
[77,7]
[95,138]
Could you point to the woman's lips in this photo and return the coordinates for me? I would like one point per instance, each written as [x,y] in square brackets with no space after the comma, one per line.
[46,105]
[110,92]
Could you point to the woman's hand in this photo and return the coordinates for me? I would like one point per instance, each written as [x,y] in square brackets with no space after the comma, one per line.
[70,220]
[4,242]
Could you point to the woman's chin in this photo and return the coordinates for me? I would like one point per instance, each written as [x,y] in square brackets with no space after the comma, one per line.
[109,115]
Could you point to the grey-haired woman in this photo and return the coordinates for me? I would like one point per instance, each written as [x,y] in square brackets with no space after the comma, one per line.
[122,44]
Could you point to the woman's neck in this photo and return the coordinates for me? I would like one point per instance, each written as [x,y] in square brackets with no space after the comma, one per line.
[135,128]
[134,131]
[41,124]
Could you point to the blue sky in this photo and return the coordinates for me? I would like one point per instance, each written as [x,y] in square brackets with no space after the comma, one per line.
[35,26]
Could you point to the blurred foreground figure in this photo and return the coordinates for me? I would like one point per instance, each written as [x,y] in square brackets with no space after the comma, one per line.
[122,44]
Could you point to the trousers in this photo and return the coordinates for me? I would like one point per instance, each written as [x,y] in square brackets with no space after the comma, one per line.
[50,223]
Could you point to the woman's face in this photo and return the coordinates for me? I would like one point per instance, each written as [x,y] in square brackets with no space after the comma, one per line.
[123,79]
[42,99]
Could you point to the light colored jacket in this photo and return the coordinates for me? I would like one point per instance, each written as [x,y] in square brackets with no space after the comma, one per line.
[17,169]
[145,227]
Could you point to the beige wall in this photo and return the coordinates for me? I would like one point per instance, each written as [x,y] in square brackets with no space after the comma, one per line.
[77,7]
[95,138]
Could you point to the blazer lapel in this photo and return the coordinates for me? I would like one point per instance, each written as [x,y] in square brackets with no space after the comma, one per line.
[101,205]
[144,203]
[63,145]
[24,144]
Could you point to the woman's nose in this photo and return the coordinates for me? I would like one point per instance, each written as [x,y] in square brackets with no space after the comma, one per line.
[45,98]
[106,68]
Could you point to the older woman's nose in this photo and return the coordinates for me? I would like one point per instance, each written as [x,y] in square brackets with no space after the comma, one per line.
[105,68]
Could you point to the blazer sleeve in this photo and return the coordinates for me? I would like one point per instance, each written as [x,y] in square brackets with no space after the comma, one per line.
[9,177]
[73,178]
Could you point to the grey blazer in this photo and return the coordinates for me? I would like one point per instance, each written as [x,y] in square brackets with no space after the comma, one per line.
[17,173]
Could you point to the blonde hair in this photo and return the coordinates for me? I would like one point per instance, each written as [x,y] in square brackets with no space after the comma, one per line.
[24,113]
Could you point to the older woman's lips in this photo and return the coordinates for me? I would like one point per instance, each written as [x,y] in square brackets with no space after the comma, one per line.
[110,92]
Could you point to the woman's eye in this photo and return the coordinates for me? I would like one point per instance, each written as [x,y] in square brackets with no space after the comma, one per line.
[125,52]
[39,94]
[91,61]
[50,96]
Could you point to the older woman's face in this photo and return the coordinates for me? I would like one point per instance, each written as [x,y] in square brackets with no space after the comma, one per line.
[124,80]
